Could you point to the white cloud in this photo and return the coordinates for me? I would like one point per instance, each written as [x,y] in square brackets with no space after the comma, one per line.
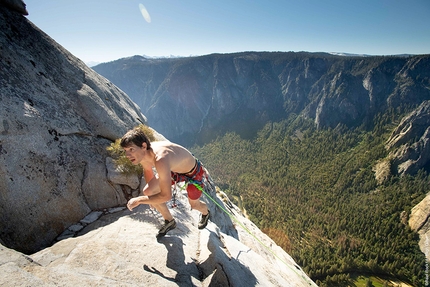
[145,13]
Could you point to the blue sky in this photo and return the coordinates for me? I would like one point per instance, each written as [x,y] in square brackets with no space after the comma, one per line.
[102,31]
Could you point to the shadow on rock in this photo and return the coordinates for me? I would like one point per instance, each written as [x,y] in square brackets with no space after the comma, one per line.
[176,261]
[221,269]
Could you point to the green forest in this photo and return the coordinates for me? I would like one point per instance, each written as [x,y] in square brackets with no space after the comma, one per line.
[314,192]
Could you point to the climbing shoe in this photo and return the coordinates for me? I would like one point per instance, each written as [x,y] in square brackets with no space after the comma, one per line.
[204,220]
[168,225]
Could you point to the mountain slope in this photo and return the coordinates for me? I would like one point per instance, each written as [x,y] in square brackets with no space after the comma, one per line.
[197,99]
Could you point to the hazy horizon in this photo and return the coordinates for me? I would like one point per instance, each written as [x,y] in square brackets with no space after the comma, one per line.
[97,31]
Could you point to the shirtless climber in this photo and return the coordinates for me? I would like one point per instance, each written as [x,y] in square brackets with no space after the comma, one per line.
[173,164]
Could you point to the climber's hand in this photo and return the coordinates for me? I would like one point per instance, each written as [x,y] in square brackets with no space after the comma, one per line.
[132,203]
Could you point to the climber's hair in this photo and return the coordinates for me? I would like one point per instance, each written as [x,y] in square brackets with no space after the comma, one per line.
[135,136]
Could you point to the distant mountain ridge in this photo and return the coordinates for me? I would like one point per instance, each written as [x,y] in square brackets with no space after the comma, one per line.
[366,55]
[196,99]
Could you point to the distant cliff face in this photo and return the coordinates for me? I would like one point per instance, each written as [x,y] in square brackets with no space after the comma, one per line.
[410,141]
[198,98]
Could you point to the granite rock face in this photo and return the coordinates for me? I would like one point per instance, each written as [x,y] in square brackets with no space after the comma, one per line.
[410,141]
[57,116]
[120,249]
[419,221]
[15,5]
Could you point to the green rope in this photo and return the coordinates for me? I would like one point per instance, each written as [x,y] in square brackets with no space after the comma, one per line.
[247,230]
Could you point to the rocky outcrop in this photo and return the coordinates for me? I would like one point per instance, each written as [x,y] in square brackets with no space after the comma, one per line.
[120,249]
[419,221]
[15,5]
[410,141]
[57,118]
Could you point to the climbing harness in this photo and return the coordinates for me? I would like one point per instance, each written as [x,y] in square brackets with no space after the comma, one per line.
[196,175]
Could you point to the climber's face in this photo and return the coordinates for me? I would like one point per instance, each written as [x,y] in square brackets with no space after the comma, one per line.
[134,153]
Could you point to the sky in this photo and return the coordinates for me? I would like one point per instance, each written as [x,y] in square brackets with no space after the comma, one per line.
[103,31]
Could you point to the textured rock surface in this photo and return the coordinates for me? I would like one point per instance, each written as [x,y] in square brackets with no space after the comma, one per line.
[121,250]
[57,116]
[420,214]
[410,141]
[15,5]
[419,221]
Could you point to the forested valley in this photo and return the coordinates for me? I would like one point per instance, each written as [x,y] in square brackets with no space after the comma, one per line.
[294,139]
[314,192]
